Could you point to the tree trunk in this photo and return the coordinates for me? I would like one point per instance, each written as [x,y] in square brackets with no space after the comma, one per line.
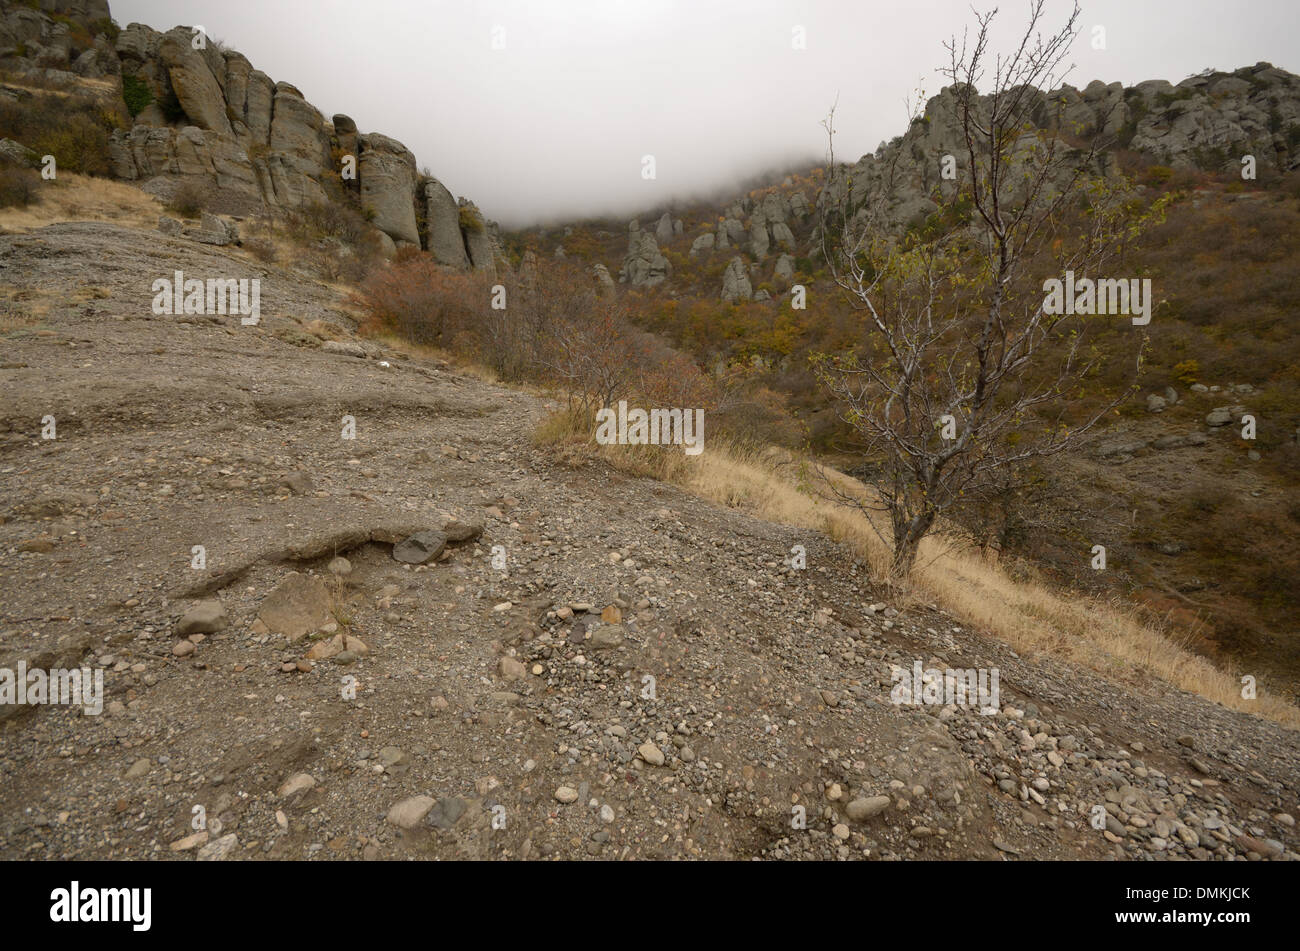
[907,544]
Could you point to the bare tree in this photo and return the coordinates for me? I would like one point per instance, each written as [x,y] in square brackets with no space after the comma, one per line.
[580,342]
[963,375]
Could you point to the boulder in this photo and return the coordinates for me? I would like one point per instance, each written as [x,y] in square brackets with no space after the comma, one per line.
[298,131]
[605,637]
[859,810]
[206,617]
[18,154]
[409,812]
[420,548]
[299,605]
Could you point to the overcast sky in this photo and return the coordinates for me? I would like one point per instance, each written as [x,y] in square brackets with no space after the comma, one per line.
[555,125]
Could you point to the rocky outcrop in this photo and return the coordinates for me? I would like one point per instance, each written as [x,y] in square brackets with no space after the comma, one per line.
[31,40]
[604,282]
[442,225]
[759,240]
[388,178]
[1207,122]
[644,265]
[482,243]
[206,115]
[193,82]
[1211,121]
[784,268]
[735,282]
[702,245]
[664,229]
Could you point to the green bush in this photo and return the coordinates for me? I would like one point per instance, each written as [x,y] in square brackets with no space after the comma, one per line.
[106,26]
[470,221]
[136,94]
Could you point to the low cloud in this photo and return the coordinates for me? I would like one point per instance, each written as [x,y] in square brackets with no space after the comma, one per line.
[555,124]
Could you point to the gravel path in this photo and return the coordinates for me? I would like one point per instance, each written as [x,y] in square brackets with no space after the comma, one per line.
[497,712]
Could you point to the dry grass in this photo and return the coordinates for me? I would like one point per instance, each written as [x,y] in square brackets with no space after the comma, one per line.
[74,197]
[1106,636]
[82,87]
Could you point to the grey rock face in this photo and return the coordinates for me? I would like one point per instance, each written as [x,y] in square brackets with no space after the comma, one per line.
[758,237]
[702,245]
[603,280]
[782,235]
[442,224]
[479,241]
[255,142]
[664,229]
[388,175]
[192,80]
[784,268]
[644,265]
[735,282]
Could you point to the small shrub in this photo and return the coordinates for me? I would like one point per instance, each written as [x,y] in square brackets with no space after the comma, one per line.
[470,221]
[74,130]
[189,199]
[18,186]
[261,249]
[1187,372]
[80,145]
[105,26]
[136,94]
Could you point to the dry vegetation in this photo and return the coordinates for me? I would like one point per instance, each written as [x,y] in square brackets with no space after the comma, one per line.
[73,197]
[1101,633]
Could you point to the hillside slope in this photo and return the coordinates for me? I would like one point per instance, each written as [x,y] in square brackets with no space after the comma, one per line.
[478,687]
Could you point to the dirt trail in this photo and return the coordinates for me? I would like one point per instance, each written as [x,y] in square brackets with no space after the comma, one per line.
[498,695]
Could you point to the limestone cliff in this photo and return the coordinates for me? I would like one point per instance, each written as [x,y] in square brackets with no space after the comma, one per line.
[203,113]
